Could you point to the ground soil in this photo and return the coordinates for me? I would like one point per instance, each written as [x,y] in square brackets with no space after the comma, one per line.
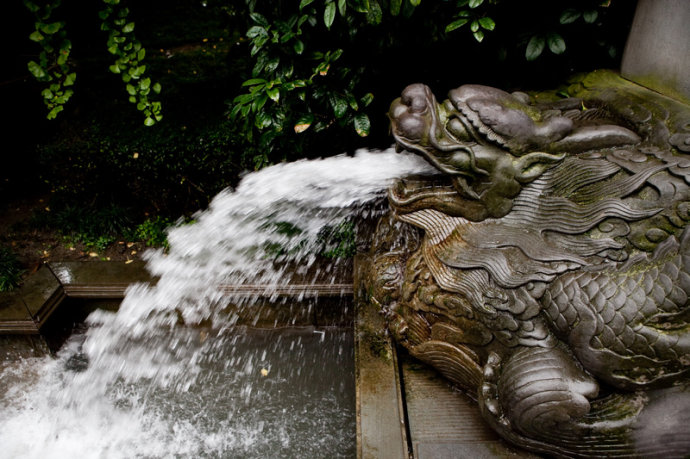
[36,246]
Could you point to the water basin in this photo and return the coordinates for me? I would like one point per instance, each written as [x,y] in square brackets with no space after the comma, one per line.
[284,391]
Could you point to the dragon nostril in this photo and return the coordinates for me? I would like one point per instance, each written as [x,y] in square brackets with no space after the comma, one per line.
[410,127]
[418,104]
[415,97]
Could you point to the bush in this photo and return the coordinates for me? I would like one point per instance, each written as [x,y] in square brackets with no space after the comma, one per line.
[153,232]
[95,227]
[170,170]
[10,271]
[323,72]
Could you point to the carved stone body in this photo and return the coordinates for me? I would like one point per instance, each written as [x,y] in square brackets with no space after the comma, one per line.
[551,275]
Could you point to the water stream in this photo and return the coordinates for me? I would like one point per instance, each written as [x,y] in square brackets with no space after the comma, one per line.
[171,375]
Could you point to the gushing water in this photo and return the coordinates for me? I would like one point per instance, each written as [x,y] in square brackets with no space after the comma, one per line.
[169,375]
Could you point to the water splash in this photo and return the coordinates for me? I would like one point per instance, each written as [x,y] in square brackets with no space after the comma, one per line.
[142,385]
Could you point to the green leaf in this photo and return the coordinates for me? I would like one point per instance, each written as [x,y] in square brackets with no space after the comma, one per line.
[259,102]
[253,81]
[52,28]
[53,113]
[570,15]
[304,3]
[475,3]
[274,94]
[478,35]
[556,43]
[141,54]
[131,90]
[149,121]
[129,27]
[263,120]
[395,7]
[157,88]
[256,31]
[36,70]
[259,19]
[339,105]
[367,99]
[362,124]
[352,101]
[374,14]
[235,111]
[145,83]
[47,94]
[487,23]
[36,36]
[243,98]
[70,78]
[133,99]
[272,64]
[474,26]
[329,14]
[361,6]
[342,7]
[456,24]
[534,47]
[415,2]
[31,6]
[298,46]
[590,16]
[334,55]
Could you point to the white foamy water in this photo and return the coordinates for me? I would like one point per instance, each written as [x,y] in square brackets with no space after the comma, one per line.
[144,382]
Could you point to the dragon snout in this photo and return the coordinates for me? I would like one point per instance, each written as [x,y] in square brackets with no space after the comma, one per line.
[416,97]
[408,114]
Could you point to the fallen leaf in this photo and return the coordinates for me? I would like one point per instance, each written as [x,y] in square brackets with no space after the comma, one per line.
[128,262]
[93,254]
[264,372]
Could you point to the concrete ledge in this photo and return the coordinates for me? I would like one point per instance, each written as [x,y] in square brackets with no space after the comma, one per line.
[381,427]
[27,310]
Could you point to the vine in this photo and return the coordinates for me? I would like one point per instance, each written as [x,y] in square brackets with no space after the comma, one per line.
[129,54]
[55,69]
[53,66]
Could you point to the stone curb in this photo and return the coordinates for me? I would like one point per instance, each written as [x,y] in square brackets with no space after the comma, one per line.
[26,311]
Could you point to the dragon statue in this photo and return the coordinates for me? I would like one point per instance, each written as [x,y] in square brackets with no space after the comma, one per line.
[546,269]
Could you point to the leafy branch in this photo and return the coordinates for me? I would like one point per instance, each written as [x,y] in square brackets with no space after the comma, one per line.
[471,14]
